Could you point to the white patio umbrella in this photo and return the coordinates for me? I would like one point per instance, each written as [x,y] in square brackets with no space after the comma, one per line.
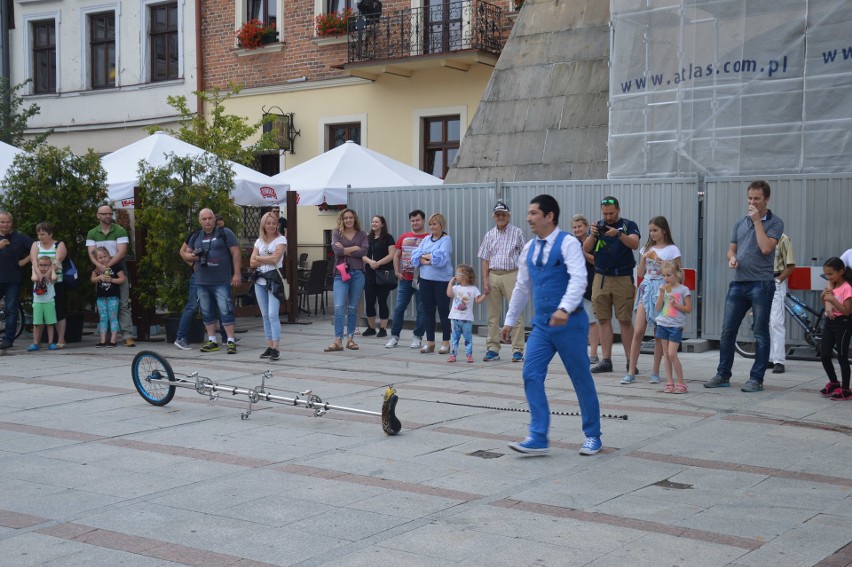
[326,177]
[251,188]
[7,156]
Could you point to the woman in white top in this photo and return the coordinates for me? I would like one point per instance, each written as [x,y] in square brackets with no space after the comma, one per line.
[268,257]
[659,249]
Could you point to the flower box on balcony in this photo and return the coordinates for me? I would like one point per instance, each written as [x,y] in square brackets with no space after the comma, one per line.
[333,23]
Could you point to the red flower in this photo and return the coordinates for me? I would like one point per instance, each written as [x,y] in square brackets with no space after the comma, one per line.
[333,23]
[253,33]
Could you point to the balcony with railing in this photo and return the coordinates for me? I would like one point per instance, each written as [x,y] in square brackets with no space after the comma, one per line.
[442,33]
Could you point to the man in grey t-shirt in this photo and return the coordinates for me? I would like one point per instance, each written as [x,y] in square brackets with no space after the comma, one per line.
[751,255]
[215,254]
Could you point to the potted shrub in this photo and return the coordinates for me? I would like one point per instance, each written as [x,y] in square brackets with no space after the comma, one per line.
[53,184]
[333,23]
[170,198]
[254,34]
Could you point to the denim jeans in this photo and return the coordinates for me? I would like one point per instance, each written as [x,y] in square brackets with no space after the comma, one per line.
[213,298]
[742,296]
[346,297]
[462,328]
[404,293]
[269,306]
[191,309]
[12,293]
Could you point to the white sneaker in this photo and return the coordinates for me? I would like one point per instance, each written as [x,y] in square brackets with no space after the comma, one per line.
[415,342]
[392,342]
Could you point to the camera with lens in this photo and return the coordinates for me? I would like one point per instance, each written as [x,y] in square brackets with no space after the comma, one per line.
[602,228]
[202,257]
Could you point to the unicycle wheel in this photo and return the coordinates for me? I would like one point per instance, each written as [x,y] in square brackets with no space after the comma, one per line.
[151,372]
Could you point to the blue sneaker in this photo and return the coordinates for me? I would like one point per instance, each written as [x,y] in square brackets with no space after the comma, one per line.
[592,446]
[529,447]
[517,356]
[629,379]
[33,348]
[654,378]
[491,355]
[52,346]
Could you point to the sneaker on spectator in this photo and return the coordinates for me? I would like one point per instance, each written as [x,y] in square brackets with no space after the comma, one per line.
[592,446]
[605,365]
[529,447]
[52,346]
[232,347]
[182,344]
[266,353]
[33,348]
[5,345]
[594,360]
[629,379]
[841,395]
[654,378]
[382,333]
[274,354]
[392,342]
[469,358]
[517,356]
[491,356]
[451,358]
[717,382]
[210,346]
[416,342]
[829,389]
[129,342]
[368,332]
[751,386]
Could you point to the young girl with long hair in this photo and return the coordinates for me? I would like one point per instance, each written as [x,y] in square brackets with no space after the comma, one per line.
[837,296]
[659,249]
[672,305]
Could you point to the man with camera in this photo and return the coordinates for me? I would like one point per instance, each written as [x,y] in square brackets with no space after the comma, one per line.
[215,255]
[114,238]
[614,240]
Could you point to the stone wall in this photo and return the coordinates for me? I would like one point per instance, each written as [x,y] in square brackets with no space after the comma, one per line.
[544,113]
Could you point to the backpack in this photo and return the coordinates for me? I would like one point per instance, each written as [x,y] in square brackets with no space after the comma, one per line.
[69,274]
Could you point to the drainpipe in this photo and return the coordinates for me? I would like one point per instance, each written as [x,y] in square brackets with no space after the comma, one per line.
[199,60]
[5,65]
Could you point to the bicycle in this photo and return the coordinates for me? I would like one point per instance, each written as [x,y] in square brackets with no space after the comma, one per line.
[799,311]
[19,327]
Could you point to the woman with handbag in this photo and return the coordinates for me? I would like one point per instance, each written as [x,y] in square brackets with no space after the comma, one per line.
[380,278]
[434,256]
[349,244]
[267,257]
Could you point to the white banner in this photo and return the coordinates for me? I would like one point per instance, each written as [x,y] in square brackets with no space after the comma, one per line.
[727,87]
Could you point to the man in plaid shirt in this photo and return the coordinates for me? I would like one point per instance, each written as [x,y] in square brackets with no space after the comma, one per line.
[499,253]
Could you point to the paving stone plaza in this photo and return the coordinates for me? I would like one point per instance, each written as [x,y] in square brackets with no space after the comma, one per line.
[91,474]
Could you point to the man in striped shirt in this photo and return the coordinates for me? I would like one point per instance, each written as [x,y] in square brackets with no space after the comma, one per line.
[499,253]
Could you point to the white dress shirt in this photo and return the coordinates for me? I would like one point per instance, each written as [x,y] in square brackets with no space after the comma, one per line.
[575,265]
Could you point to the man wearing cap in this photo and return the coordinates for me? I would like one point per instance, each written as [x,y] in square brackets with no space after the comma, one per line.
[499,253]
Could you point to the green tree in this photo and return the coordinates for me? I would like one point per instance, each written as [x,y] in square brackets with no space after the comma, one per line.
[225,135]
[170,198]
[53,184]
[14,117]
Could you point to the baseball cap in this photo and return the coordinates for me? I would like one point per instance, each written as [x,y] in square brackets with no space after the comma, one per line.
[501,207]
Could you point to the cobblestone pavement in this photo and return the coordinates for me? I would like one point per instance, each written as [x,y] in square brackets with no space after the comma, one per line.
[91,474]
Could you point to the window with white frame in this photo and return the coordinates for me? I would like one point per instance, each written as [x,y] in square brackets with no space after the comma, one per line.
[44,56]
[163,42]
[102,50]
[267,12]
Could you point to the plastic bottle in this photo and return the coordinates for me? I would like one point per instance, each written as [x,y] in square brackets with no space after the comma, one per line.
[799,311]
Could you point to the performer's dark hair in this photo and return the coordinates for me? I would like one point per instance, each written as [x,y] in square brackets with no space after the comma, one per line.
[547,204]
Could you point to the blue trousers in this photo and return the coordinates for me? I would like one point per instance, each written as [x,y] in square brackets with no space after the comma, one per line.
[346,297]
[570,342]
[741,297]
[462,328]
[404,293]
[190,310]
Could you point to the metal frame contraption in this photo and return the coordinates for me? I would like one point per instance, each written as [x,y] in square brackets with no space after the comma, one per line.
[156,383]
